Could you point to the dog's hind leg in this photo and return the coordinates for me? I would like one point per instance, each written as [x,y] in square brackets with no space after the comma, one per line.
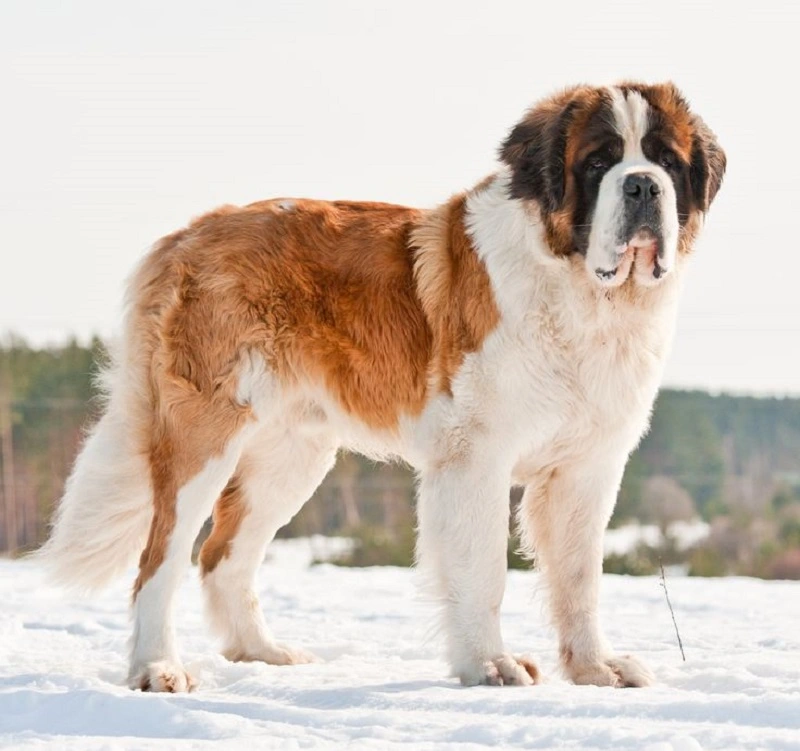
[196,442]
[277,474]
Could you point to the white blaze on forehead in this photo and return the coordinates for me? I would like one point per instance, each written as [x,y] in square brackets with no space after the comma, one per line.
[631,116]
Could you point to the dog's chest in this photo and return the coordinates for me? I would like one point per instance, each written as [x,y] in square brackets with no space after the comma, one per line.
[586,376]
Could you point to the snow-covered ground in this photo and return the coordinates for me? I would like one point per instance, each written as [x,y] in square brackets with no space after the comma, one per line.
[626,539]
[383,686]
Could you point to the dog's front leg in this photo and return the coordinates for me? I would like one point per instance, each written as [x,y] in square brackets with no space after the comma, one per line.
[463,534]
[564,515]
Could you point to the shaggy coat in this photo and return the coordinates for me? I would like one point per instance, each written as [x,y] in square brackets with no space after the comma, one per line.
[515,335]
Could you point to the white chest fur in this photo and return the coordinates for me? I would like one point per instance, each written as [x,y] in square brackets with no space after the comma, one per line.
[571,364]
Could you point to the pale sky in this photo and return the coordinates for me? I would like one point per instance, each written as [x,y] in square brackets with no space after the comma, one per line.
[120,121]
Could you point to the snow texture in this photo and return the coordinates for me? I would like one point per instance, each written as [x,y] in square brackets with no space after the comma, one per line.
[383,685]
[626,539]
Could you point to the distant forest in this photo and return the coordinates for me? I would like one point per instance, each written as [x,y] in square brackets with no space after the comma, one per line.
[733,461]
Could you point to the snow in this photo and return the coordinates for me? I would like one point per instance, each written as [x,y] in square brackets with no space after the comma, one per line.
[383,685]
[627,538]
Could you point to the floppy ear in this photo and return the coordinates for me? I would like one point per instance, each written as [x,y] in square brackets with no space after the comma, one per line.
[536,149]
[708,164]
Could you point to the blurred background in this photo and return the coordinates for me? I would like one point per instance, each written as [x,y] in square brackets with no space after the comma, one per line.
[122,121]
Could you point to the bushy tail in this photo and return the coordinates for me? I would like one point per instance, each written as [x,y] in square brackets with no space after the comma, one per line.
[103,519]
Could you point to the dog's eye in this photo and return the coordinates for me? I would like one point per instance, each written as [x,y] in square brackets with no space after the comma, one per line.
[597,163]
[668,160]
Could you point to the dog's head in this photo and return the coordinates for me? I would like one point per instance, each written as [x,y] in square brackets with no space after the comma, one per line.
[621,175]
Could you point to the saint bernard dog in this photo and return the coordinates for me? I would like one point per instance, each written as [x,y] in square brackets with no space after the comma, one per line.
[515,335]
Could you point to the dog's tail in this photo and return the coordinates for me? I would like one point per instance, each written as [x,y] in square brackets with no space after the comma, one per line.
[102,521]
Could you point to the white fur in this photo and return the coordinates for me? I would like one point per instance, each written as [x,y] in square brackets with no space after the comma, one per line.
[278,473]
[631,113]
[566,381]
[102,520]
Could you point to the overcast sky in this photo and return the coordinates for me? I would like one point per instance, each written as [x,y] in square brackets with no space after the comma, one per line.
[120,121]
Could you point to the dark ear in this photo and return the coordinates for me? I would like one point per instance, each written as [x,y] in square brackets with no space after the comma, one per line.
[708,165]
[536,149]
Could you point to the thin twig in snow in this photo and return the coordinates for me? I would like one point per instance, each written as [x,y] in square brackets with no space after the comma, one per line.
[671,611]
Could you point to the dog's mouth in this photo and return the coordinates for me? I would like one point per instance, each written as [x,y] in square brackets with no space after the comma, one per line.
[648,249]
[644,237]
[642,252]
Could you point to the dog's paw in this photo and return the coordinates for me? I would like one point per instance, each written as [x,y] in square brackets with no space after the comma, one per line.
[619,672]
[272,654]
[164,676]
[631,672]
[505,670]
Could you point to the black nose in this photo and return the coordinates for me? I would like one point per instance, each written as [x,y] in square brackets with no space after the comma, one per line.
[640,187]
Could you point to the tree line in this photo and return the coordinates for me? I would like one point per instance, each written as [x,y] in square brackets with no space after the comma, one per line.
[731,460]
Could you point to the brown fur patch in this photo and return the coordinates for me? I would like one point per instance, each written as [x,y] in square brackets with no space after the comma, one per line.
[326,292]
[339,303]
[454,289]
[229,511]
[332,291]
